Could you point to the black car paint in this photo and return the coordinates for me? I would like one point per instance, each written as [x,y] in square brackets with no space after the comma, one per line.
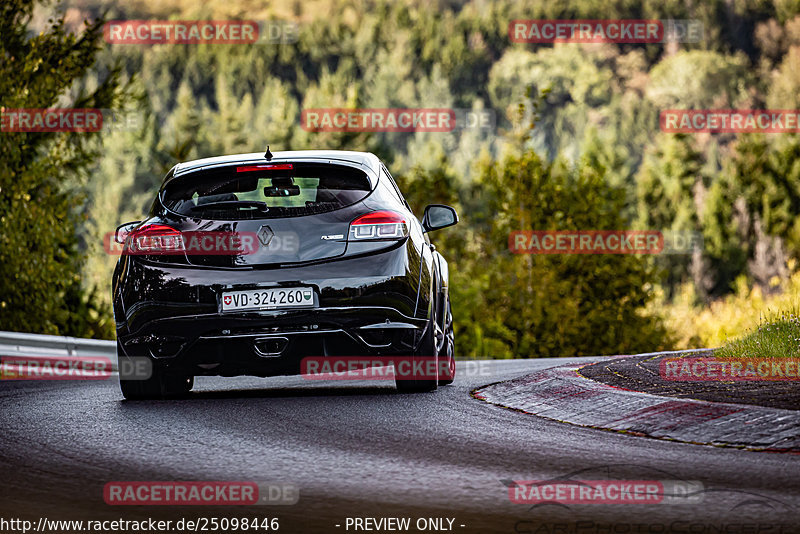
[373,298]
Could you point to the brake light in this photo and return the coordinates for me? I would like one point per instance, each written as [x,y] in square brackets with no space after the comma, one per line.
[379,225]
[275,167]
[154,239]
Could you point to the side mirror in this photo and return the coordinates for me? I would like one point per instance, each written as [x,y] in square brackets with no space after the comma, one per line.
[438,216]
[123,230]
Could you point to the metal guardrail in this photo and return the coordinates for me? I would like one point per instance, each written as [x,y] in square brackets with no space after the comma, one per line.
[23,344]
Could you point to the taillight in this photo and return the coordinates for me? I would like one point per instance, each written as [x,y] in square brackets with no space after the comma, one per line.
[154,239]
[379,225]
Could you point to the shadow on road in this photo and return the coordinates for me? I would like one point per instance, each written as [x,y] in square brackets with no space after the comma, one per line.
[274,393]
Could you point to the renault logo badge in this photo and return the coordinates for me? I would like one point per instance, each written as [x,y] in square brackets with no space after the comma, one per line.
[265,235]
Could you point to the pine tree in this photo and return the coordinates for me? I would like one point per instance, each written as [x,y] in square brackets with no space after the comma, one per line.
[41,174]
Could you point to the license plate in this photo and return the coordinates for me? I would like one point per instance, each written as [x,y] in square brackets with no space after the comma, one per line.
[267,299]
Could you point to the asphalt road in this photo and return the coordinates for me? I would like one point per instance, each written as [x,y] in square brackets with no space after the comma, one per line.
[363,450]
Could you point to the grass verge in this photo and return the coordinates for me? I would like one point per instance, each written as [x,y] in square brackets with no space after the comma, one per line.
[776,338]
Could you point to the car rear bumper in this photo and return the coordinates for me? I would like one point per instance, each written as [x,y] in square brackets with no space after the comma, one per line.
[267,344]
[362,306]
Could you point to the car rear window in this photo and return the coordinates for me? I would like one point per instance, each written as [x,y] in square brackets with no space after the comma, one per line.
[265,190]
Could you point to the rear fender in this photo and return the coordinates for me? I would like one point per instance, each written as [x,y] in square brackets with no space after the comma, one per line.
[443,277]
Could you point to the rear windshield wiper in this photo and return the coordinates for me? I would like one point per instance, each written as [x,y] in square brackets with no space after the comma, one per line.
[261,206]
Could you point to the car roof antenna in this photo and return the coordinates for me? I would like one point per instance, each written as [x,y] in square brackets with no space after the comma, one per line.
[268,154]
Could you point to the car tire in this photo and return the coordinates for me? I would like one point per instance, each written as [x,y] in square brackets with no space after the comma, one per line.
[426,350]
[448,354]
[158,386]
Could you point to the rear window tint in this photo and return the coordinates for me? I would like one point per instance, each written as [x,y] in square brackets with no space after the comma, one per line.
[228,193]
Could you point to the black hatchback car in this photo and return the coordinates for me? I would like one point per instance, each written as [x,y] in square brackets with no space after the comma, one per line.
[250,264]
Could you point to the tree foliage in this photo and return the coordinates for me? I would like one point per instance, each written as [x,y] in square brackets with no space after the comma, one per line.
[41,175]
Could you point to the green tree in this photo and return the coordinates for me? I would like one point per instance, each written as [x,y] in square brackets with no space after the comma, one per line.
[508,305]
[668,184]
[559,305]
[41,174]
[751,221]
[699,79]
